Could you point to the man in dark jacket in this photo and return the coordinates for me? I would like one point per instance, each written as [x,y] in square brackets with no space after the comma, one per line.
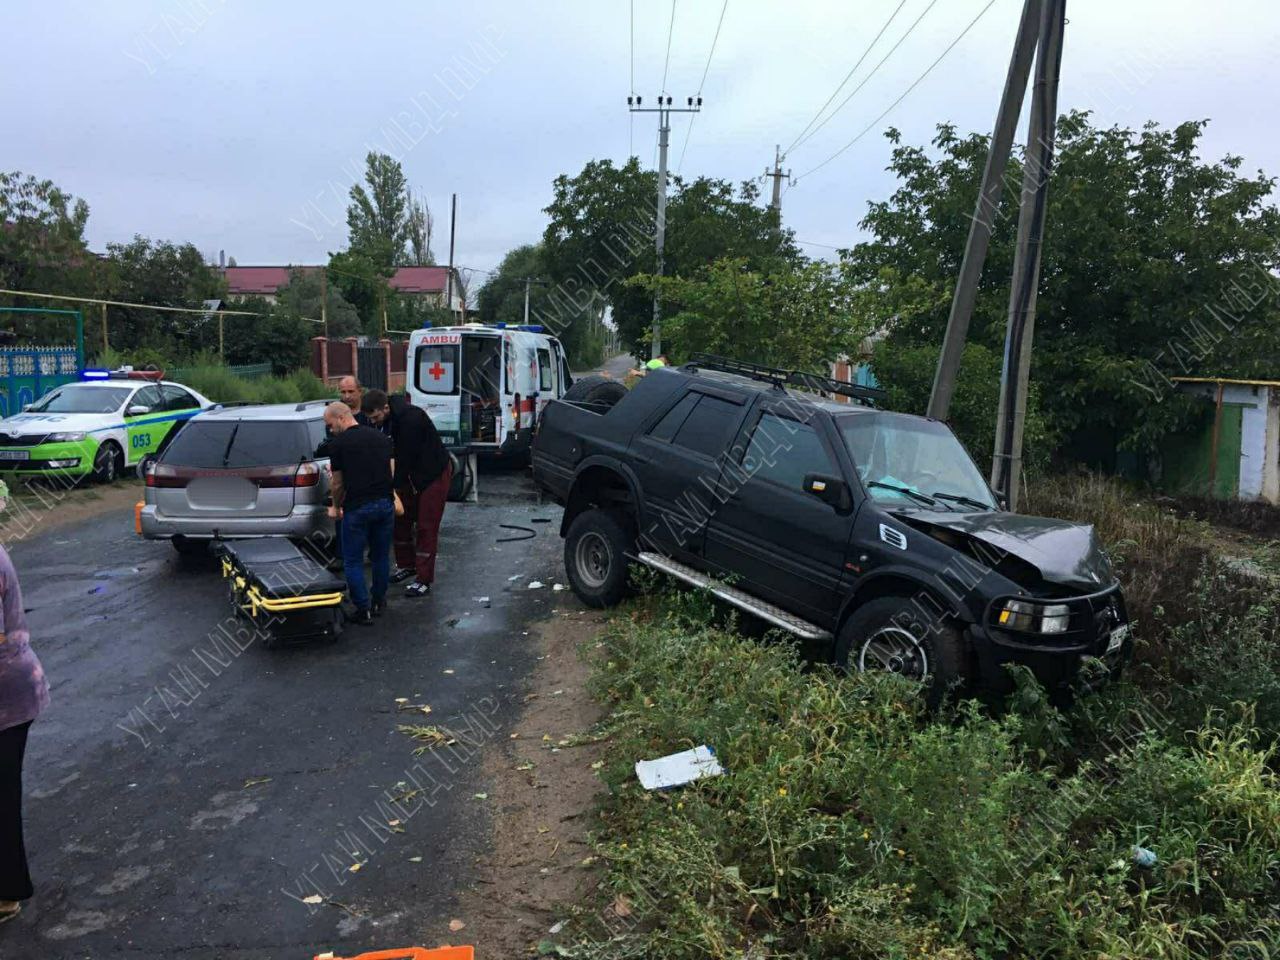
[422,477]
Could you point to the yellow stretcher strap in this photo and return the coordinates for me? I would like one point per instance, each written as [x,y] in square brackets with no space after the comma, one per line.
[277,605]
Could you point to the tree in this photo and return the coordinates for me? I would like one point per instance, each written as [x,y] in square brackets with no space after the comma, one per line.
[277,335]
[165,274]
[1156,264]
[795,317]
[601,233]
[419,226]
[501,300]
[362,282]
[378,217]
[301,297]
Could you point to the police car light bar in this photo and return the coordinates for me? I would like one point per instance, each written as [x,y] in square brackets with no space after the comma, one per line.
[95,374]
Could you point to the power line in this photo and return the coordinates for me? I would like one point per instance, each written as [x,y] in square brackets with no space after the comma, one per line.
[840,86]
[671,29]
[705,70]
[854,91]
[867,129]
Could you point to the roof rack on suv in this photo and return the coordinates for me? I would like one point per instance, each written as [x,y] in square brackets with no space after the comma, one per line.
[867,396]
[307,403]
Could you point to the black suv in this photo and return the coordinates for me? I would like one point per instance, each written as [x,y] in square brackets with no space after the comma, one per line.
[870,531]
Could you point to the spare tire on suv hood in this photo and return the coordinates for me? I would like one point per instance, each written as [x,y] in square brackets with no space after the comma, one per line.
[1065,553]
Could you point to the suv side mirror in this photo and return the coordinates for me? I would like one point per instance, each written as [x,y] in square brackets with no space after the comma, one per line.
[828,489]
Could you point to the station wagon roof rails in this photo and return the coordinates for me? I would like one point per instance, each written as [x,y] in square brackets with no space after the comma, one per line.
[867,396]
[311,403]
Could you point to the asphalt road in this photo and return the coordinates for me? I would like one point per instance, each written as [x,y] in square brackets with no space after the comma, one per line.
[186,797]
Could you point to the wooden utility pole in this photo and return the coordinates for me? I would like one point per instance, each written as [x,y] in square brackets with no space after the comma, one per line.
[1006,464]
[105,345]
[985,210]
[324,300]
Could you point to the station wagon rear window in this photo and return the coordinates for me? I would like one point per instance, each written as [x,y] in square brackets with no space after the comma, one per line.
[217,444]
[435,368]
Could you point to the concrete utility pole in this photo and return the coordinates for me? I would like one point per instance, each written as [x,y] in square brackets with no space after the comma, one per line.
[1006,466]
[985,210]
[453,225]
[778,175]
[664,111]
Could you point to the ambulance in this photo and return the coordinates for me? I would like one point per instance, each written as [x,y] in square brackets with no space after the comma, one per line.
[485,387]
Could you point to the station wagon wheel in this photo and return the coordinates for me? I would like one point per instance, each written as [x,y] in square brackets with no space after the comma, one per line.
[895,650]
[596,552]
[889,634]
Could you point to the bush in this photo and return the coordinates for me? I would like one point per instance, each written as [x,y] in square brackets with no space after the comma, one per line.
[852,824]
[220,384]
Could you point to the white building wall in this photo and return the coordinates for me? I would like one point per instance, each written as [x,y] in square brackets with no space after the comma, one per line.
[1257,453]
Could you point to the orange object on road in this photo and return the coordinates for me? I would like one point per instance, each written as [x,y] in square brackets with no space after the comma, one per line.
[137,517]
[410,953]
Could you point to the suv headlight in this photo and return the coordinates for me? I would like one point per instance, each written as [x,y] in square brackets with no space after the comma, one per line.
[64,437]
[1034,617]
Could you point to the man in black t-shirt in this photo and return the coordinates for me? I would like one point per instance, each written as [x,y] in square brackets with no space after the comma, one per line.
[360,458]
[423,474]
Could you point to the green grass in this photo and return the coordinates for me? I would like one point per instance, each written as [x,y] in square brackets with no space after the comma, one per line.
[851,823]
[220,384]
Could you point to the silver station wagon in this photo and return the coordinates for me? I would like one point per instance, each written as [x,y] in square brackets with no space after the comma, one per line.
[247,471]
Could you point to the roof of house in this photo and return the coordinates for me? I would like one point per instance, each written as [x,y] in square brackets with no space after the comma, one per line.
[1245,383]
[265,281]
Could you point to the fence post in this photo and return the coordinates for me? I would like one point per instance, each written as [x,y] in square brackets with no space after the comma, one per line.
[320,358]
[353,344]
[385,344]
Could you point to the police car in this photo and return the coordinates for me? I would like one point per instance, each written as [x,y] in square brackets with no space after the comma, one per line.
[100,425]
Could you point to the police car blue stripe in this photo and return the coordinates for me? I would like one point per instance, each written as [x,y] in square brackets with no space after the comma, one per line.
[144,423]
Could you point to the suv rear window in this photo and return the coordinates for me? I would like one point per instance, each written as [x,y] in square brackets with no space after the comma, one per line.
[706,429]
[213,444]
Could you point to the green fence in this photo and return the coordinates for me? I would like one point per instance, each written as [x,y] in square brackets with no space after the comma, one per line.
[248,371]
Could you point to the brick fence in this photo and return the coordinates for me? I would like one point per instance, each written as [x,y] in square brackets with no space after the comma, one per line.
[333,359]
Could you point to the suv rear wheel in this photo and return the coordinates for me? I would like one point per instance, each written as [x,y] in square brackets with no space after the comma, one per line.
[890,634]
[595,556]
[597,391]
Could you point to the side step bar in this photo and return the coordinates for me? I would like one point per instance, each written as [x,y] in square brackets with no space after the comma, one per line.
[739,598]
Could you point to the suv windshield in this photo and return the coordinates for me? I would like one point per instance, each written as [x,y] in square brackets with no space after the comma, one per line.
[82,398]
[212,444]
[909,460]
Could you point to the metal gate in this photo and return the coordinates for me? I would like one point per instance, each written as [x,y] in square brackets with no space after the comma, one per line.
[371,367]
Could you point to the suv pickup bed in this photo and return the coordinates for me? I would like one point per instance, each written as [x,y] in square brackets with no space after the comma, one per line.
[869,531]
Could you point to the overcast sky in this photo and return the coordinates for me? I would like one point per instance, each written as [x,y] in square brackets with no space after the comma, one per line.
[238,125]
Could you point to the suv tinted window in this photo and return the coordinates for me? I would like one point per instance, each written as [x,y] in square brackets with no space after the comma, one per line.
[316,433]
[706,429]
[783,451]
[212,444]
[674,419]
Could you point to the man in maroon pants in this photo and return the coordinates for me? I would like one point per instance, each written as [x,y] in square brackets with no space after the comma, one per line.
[422,477]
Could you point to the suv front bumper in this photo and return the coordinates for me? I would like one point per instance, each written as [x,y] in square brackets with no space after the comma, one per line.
[1097,620]
[299,524]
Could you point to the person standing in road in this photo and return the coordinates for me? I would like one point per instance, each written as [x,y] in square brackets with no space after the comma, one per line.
[423,474]
[360,459]
[24,693]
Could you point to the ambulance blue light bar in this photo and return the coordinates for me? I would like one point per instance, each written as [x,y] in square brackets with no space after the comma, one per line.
[95,374]
[531,327]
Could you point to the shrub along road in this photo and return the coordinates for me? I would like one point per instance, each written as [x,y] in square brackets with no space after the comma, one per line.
[185,795]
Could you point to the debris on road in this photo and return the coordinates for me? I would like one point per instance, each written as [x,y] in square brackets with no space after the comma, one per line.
[536,584]
[678,769]
[1144,858]
[523,530]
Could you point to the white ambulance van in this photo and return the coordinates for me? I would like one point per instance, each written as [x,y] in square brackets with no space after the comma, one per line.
[485,386]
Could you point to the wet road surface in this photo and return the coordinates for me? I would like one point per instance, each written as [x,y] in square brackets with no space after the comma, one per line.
[187,797]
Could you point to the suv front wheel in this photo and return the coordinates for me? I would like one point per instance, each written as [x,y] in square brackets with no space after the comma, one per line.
[890,634]
[595,556]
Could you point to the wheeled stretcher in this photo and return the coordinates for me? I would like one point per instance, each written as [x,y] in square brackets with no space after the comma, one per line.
[284,592]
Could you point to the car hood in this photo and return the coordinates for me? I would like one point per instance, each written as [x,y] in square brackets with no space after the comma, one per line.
[1065,553]
[21,423]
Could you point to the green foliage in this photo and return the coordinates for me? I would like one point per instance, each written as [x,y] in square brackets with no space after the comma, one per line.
[378,217]
[797,317]
[361,280]
[221,384]
[578,325]
[852,824]
[1156,264]
[601,233]
[301,297]
[42,247]
[906,370]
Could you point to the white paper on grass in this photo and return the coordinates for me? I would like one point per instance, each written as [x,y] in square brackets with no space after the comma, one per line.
[678,768]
